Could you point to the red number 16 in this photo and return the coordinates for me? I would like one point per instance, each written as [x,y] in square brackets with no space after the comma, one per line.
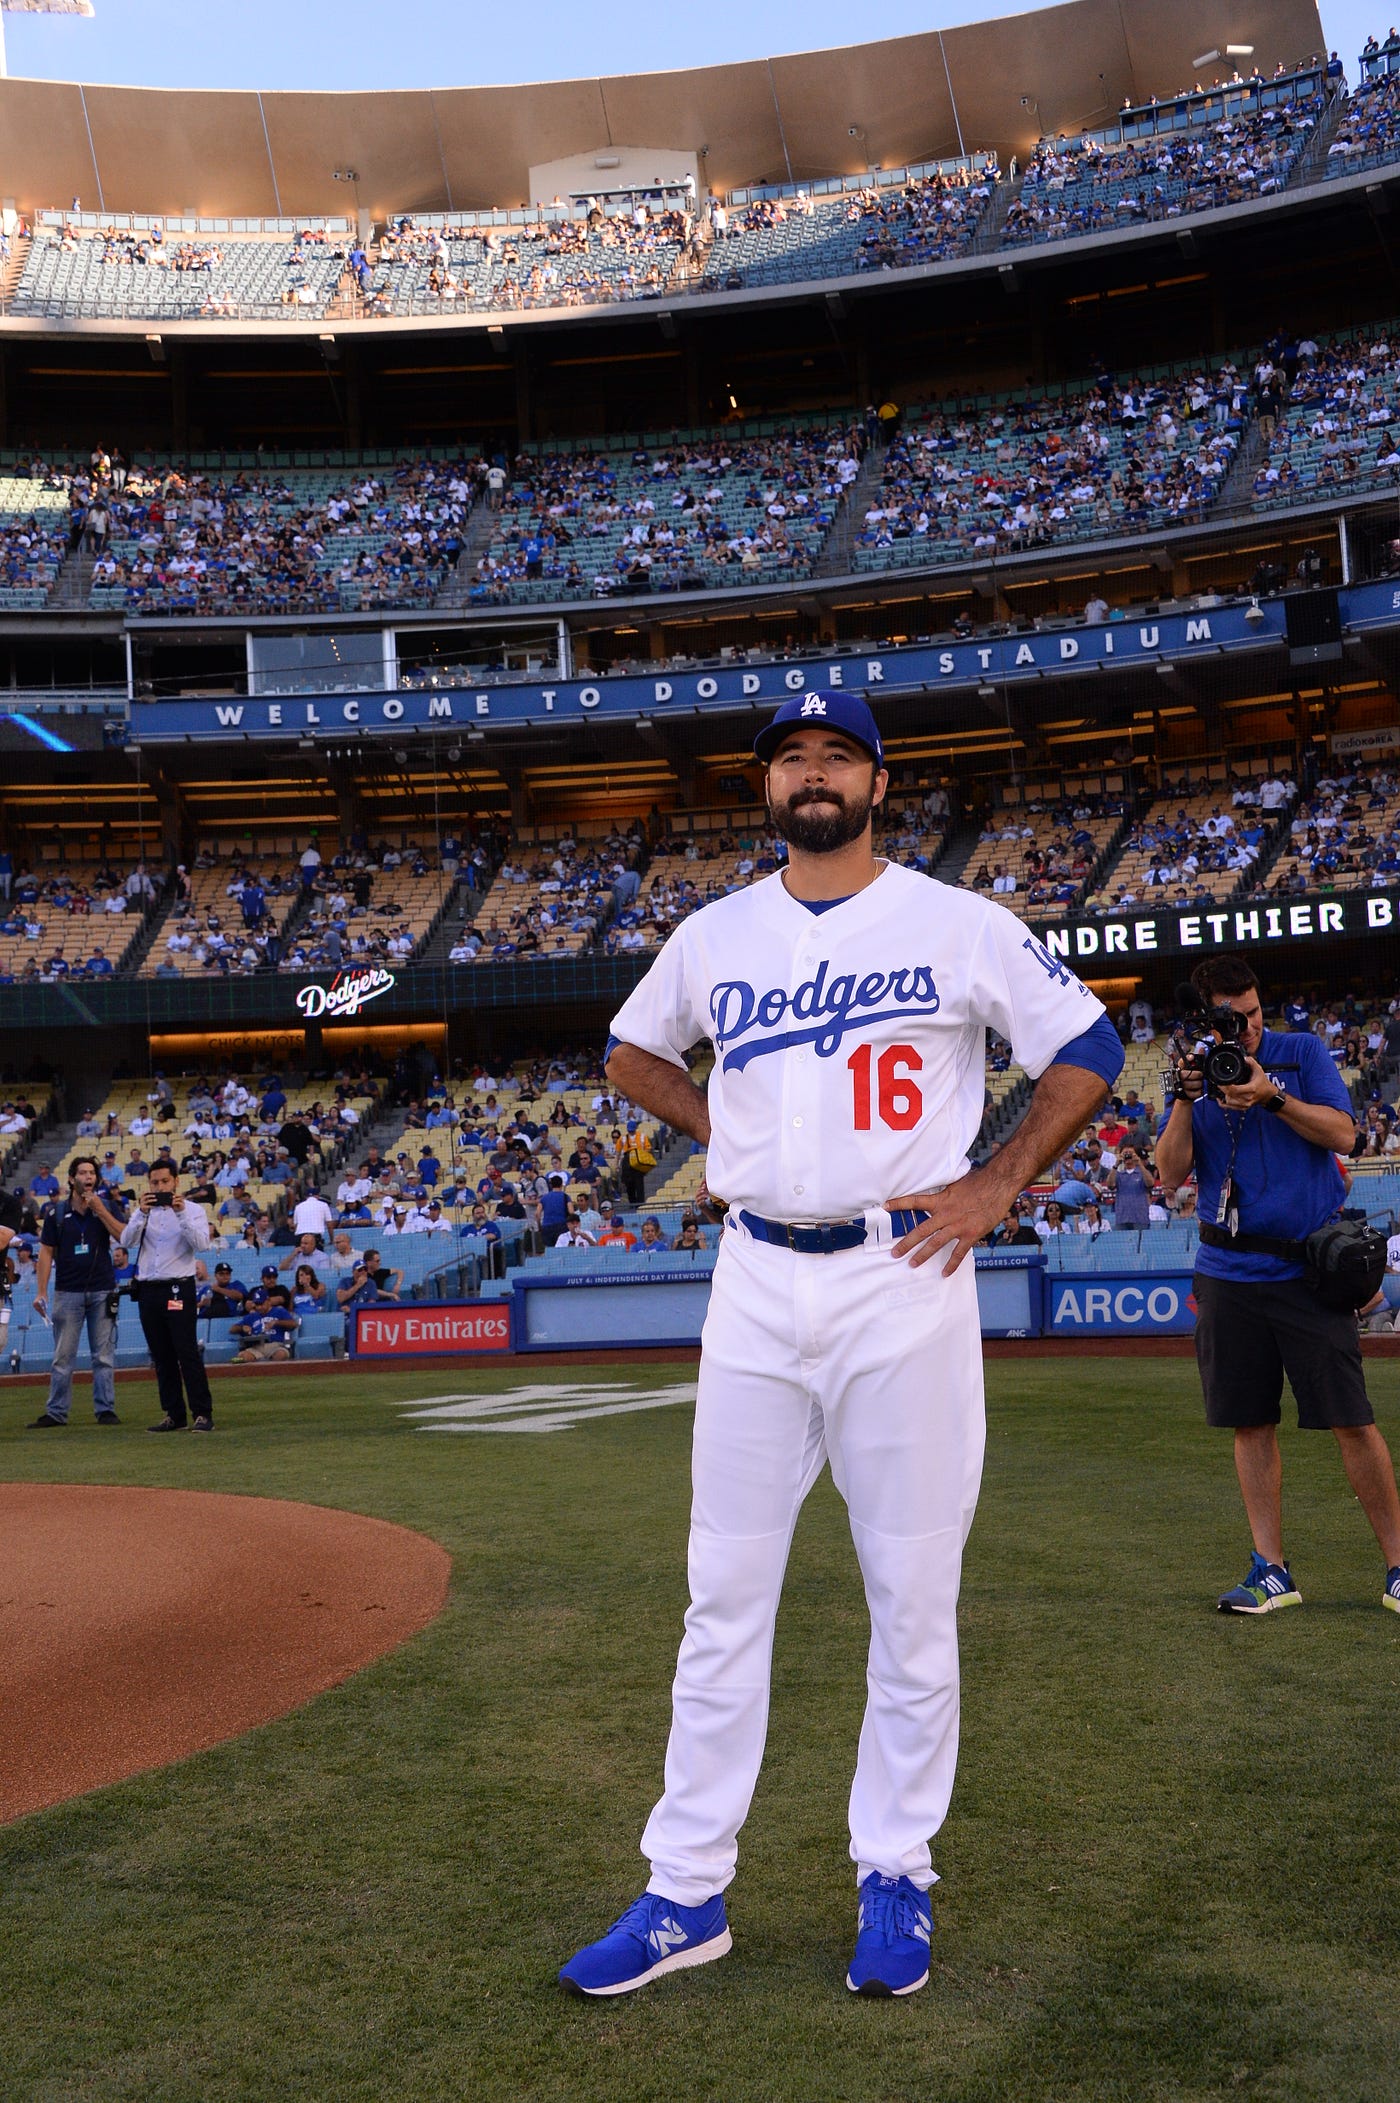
[901,1101]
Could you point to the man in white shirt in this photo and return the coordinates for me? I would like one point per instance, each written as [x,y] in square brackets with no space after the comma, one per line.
[313,1215]
[869,1171]
[354,1189]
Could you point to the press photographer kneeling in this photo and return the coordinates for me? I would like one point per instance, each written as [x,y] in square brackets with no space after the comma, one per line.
[1261,1114]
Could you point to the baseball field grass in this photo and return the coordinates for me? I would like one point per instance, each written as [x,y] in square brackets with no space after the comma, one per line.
[1169,1872]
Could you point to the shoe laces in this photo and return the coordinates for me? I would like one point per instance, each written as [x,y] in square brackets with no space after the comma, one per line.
[892,1909]
[638,1918]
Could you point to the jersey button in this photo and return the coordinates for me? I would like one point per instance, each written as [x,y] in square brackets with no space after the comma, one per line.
[797,1124]
[797,1189]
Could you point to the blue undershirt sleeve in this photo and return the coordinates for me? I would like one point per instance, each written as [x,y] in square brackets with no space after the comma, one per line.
[1097,1051]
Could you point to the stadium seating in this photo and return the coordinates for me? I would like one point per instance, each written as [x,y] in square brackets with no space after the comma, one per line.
[325,539]
[208,932]
[706,509]
[1344,839]
[1186,849]
[1369,132]
[78,270]
[896,219]
[552,902]
[550,261]
[33,540]
[76,912]
[1339,431]
[1010,473]
[1037,861]
[1241,143]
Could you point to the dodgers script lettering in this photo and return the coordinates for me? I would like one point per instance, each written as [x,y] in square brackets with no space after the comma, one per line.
[345,995]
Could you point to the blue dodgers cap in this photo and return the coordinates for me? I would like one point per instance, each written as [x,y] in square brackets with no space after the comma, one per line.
[824,708]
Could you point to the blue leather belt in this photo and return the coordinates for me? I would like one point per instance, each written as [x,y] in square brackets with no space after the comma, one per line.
[823,1237]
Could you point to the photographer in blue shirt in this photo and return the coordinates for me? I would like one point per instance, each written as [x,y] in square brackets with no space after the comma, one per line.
[1264,1153]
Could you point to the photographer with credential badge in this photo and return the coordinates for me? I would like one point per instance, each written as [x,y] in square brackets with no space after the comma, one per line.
[1261,1115]
[75,1249]
[165,1237]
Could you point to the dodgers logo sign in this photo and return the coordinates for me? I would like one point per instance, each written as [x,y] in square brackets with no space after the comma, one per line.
[347,993]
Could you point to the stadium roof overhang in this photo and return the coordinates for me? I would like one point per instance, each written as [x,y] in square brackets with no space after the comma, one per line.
[994,84]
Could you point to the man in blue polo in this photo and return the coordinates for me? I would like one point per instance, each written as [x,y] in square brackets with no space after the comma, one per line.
[75,1249]
[1264,1154]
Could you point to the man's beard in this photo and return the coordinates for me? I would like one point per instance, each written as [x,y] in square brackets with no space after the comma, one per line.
[822,831]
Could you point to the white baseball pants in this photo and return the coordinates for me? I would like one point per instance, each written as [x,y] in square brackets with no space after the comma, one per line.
[854,1359]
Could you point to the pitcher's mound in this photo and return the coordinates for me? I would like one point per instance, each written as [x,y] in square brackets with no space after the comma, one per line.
[137,1626]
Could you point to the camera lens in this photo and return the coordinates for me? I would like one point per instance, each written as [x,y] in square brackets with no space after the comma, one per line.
[1226,1066]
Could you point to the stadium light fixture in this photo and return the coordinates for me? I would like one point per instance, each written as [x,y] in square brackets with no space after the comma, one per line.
[1204,58]
[36,7]
[1239,51]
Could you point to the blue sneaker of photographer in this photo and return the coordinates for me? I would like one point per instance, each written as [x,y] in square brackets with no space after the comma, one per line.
[1264,1587]
[894,1928]
[654,1935]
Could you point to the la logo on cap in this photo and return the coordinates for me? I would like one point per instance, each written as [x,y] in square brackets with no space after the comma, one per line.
[814,705]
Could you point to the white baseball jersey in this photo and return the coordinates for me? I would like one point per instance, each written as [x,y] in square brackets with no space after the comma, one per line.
[850,1044]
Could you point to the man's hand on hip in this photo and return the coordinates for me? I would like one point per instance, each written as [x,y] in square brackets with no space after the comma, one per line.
[958,1217]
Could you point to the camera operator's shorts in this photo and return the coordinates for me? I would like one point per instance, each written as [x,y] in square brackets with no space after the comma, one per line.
[1249,1336]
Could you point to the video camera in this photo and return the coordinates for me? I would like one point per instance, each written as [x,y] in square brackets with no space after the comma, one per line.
[1221,1064]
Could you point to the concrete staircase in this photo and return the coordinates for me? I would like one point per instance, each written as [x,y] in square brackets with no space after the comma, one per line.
[988,234]
[73,585]
[476,538]
[13,271]
[1312,162]
[1237,488]
[961,846]
[839,553]
[459,910]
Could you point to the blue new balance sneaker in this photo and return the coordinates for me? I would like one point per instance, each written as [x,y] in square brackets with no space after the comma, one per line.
[1266,1586]
[653,1936]
[895,1923]
[1391,1595]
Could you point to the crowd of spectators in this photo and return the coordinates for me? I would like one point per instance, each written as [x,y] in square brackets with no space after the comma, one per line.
[1032,470]
[700,513]
[1346,836]
[1180,854]
[140,269]
[1331,413]
[186,541]
[625,254]
[1040,855]
[67,923]
[927,219]
[1089,187]
[553,902]
[31,553]
[1369,130]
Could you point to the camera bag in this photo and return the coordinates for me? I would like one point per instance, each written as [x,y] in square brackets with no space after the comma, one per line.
[1343,1262]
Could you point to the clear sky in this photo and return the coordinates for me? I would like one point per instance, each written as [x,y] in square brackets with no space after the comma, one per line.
[425,43]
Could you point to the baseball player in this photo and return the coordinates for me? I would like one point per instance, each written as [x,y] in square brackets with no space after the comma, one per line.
[847,1000]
